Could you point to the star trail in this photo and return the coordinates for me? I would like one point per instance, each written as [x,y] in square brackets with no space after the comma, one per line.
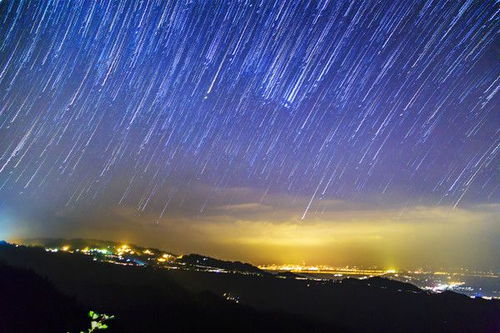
[128,103]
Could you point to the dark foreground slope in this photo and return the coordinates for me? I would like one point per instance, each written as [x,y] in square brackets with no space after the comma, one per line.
[147,300]
[371,305]
[143,300]
[29,301]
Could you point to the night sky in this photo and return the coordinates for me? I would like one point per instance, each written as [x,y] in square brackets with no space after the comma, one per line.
[339,132]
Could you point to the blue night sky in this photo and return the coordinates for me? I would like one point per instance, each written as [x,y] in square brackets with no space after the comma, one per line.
[310,127]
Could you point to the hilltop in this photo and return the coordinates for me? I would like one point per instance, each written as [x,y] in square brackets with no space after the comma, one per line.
[134,254]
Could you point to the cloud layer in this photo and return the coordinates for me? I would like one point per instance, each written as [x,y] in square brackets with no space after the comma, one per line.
[244,224]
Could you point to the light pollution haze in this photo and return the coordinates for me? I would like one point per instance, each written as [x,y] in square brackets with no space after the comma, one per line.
[318,132]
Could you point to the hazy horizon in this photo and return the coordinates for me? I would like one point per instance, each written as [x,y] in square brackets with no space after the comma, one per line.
[325,132]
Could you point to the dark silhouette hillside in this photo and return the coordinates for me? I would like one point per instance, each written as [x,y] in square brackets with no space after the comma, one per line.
[370,305]
[203,261]
[145,299]
[29,303]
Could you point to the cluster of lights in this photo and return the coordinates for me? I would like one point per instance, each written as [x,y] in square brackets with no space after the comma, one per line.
[166,258]
[324,269]
[444,286]
[231,298]
[122,254]
[124,249]
[127,255]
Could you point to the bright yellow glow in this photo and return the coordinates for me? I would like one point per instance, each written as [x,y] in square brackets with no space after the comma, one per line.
[322,269]
[341,233]
[65,248]
[167,256]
